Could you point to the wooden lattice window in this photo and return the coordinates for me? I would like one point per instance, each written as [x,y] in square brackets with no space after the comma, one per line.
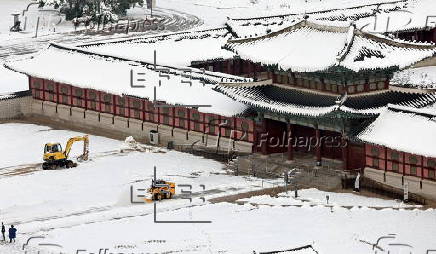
[64,99]
[78,92]
[50,87]
[64,90]
[211,129]
[196,116]
[166,120]
[136,104]
[395,155]
[108,108]
[165,110]
[196,126]
[413,160]
[245,126]
[181,113]
[431,163]
[431,174]
[93,105]
[92,95]
[182,124]
[37,84]
[395,167]
[360,88]
[413,170]
[374,151]
[375,163]
[107,98]
[136,114]
[121,101]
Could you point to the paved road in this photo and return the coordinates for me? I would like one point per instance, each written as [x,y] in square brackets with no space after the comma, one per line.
[173,21]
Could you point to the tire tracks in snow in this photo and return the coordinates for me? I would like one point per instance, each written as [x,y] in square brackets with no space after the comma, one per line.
[174,21]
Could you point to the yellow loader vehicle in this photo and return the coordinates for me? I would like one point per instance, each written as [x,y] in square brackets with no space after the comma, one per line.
[161,189]
[54,157]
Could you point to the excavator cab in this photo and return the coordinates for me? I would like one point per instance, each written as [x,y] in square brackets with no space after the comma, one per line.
[55,157]
[53,151]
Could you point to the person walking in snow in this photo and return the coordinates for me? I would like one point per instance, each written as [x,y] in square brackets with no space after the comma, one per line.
[12,233]
[3,232]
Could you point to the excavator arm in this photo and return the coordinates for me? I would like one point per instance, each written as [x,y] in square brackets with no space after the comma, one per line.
[70,143]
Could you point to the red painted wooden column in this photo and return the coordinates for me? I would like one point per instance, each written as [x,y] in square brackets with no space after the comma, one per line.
[422,168]
[264,138]
[289,142]
[241,66]
[173,117]
[71,97]
[254,71]
[404,164]
[318,146]
[57,93]
[386,159]
[345,152]
[229,67]
[188,111]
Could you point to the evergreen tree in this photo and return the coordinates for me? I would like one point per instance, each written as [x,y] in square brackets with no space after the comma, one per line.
[92,8]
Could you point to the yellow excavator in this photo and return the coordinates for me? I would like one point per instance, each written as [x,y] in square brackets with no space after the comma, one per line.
[54,157]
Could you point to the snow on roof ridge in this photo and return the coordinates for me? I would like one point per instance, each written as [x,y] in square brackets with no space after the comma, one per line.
[411,110]
[337,28]
[148,36]
[193,70]
[348,42]
[295,26]
[395,41]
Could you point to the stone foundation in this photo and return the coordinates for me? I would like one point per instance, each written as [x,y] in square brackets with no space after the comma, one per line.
[422,187]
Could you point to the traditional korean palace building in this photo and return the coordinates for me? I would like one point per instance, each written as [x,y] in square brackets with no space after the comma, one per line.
[268,91]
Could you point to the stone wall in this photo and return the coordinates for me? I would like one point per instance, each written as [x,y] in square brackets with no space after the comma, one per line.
[422,187]
[14,107]
[140,130]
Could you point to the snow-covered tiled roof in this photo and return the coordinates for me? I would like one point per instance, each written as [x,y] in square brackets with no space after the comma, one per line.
[311,47]
[421,78]
[297,102]
[362,13]
[176,49]
[110,74]
[405,131]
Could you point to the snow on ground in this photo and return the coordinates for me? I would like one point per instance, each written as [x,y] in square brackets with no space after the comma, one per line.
[317,197]
[243,229]
[31,138]
[89,207]
[99,189]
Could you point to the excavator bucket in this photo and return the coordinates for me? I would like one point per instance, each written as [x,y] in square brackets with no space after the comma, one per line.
[85,154]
